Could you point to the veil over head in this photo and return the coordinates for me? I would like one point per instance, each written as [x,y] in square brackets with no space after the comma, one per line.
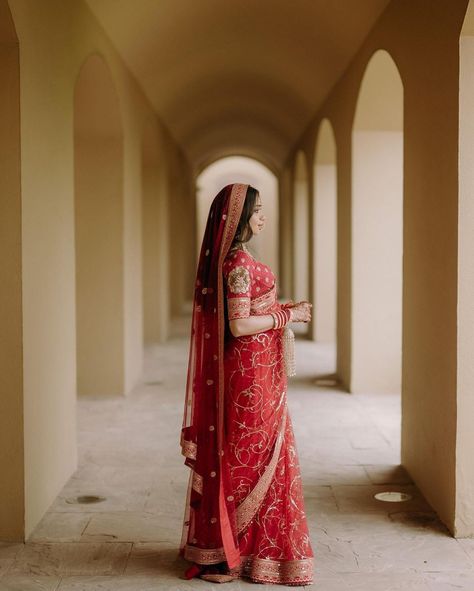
[210,511]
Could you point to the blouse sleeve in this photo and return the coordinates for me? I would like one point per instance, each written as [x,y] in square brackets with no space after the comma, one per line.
[238,278]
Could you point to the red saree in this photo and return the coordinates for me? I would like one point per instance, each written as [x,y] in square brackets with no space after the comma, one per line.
[244,503]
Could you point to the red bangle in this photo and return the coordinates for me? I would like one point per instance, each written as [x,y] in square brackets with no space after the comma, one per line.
[281,317]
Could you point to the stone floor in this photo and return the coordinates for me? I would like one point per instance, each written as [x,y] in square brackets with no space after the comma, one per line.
[348,448]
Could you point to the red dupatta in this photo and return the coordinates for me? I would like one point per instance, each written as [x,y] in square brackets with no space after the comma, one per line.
[209,533]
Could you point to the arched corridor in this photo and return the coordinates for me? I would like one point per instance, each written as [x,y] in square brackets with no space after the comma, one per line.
[120,123]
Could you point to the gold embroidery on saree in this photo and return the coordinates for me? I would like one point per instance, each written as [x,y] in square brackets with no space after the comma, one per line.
[276,571]
[238,280]
[188,448]
[204,555]
[197,482]
[249,506]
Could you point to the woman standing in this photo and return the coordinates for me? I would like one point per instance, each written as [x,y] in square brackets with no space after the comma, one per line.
[244,511]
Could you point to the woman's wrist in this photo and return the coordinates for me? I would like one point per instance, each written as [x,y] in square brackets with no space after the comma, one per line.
[281,317]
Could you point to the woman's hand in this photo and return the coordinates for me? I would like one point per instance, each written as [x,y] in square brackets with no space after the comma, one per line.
[301,312]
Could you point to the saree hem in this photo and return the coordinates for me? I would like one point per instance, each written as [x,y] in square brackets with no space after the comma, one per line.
[203,555]
[284,572]
[260,570]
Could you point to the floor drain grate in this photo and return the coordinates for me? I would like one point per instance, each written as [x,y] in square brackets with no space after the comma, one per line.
[85,499]
[392,496]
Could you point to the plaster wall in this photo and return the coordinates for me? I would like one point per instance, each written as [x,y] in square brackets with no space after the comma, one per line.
[324,267]
[377,194]
[323,236]
[12,483]
[301,224]
[155,237]
[285,208]
[465,376]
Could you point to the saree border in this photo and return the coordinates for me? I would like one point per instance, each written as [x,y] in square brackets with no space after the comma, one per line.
[266,570]
[236,203]
[188,448]
[197,482]
[204,555]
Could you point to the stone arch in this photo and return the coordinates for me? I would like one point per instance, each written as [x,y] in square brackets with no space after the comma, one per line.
[99,216]
[377,228]
[251,154]
[324,223]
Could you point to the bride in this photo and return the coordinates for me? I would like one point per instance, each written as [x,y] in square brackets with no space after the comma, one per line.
[244,512]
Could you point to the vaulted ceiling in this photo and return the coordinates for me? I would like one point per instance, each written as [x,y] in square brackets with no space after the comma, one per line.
[237,76]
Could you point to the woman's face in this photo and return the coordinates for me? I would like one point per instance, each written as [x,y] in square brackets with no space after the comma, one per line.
[257,219]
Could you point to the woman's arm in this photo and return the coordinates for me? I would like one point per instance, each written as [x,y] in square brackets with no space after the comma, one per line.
[240,327]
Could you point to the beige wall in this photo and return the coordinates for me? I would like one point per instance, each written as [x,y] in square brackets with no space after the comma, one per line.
[98,231]
[12,483]
[429,71]
[55,39]
[300,230]
[324,236]
[182,237]
[285,208]
[465,341]
[377,200]
[155,237]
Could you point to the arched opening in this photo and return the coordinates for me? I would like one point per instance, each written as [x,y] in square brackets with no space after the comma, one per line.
[300,235]
[240,169]
[325,235]
[12,467]
[155,238]
[377,229]
[464,515]
[98,184]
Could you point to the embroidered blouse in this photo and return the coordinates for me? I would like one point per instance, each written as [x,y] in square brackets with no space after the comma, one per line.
[246,279]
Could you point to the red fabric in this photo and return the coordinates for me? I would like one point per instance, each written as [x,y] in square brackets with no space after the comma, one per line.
[236,424]
[208,515]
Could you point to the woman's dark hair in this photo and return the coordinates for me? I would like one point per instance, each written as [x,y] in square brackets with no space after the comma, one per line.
[244,231]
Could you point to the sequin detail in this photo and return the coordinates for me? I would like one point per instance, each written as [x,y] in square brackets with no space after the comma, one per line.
[239,280]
